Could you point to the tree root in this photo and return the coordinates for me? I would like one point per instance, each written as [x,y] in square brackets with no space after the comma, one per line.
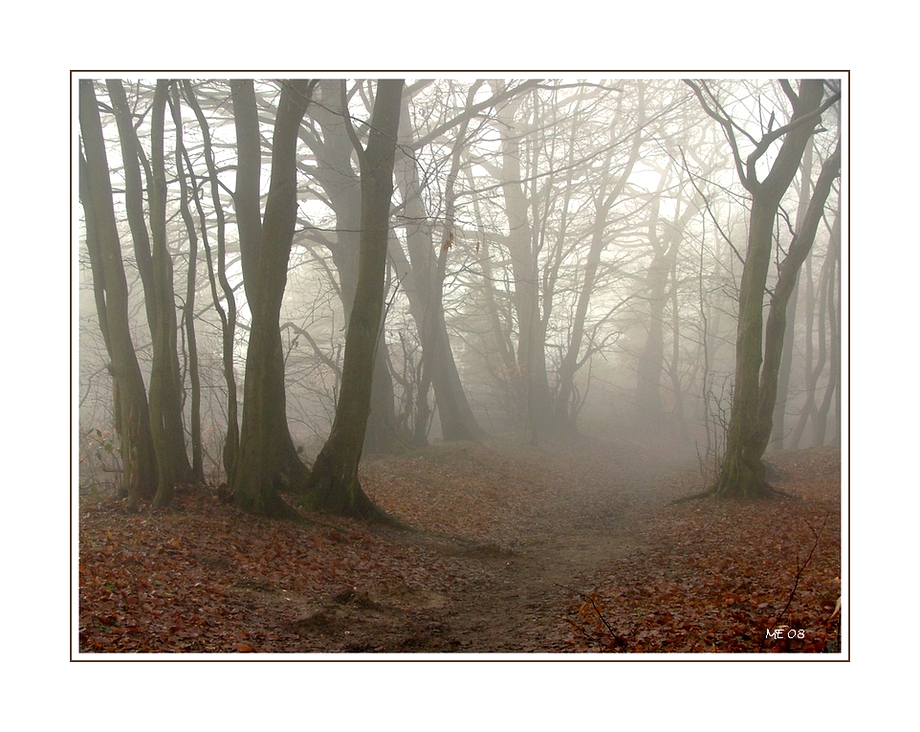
[709,492]
[769,491]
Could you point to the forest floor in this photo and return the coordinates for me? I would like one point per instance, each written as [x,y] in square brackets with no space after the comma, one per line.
[514,550]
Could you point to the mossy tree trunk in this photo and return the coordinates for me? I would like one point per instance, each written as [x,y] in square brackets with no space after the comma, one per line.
[154,263]
[131,152]
[267,460]
[165,387]
[334,170]
[782,293]
[333,484]
[742,473]
[778,436]
[139,466]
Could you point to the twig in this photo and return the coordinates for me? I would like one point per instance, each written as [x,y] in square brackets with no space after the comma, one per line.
[618,641]
[798,575]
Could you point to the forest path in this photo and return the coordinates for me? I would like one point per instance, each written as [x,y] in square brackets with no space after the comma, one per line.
[575,509]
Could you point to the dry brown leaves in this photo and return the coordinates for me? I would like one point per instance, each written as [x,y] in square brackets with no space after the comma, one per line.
[728,577]
[203,577]
[697,577]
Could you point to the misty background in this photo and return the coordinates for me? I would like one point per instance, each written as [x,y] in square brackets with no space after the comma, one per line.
[578,246]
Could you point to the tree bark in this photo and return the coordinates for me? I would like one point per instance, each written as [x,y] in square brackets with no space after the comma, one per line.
[788,274]
[742,473]
[267,460]
[165,387]
[191,285]
[778,436]
[833,378]
[808,357]
[131,153]
[604,200]
[335,173]
[154,263]
[247,196]
[651,359]
[227,316]
[132,415]
[333,484]
[662,272]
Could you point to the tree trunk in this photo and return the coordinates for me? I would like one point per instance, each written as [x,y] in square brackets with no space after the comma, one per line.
[815,315]
[131,153]
[247,196]
[381,435]
[267,460]
[500,357]
[335,174]
[531,355]
[194,373]
[333,484]
[154,263]
[604,202]
[228,316]
[188,308]
[662,287]
[456,415]
[423,283]
[651,359]
[809,358]
[833,326]
[788,274]
[165,387]
[743,473]
[778,436]
[836,327]
[132,416]
[677,389]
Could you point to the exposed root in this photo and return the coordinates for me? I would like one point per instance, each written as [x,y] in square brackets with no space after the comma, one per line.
[709,492]
[769,491]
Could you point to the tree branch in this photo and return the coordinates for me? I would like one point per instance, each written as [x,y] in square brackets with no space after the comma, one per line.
[349,128]
[727,128]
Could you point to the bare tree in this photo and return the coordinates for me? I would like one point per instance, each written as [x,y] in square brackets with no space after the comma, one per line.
[333,484]
[217,270]
[267,460]
[132,418]
[188,307]
[336,178]
[165,387]
[743,472]
[156,270]
[423,273]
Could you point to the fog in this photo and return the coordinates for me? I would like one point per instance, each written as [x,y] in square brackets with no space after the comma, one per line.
[564,257]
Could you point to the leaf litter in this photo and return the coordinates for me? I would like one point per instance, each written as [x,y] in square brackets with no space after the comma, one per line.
[578,548]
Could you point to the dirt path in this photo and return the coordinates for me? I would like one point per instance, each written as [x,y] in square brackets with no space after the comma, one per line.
[585,509]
